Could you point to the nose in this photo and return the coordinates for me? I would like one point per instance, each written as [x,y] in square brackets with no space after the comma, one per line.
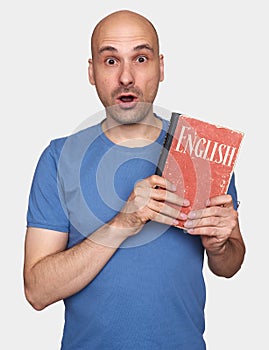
[126,75]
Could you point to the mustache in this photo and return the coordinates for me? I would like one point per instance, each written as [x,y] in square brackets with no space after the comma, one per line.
[124,90]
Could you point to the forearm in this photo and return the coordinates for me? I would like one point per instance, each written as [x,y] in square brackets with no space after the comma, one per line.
[64,273]
[228,260]
[52,275]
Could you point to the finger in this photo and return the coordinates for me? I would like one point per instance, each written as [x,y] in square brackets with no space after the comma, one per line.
[164,219]
[170,197]
[223,200]
[218,233]
[212,221]
[159,181]
[209,212]
[165,209]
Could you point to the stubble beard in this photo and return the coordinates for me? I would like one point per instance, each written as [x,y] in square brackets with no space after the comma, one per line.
[129,114]
[133,115]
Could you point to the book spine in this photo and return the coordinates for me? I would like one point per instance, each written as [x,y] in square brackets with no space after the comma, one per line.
[167,142]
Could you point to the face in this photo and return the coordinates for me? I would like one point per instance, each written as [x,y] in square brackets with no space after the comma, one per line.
[126,67]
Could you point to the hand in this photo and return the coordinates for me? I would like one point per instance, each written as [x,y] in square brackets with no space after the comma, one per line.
[216,224]
[151,199]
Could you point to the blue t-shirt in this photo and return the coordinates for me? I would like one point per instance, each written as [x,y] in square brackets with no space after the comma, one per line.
[151,293]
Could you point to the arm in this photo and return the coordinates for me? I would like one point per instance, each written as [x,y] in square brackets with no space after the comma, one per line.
[219,229]
[52,272]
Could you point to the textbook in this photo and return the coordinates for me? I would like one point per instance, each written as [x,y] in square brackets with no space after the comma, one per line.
[199,158]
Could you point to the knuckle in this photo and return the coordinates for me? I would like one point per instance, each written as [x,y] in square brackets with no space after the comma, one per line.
[160,206]
[230,198]
[154,178]
[160,194]
[151,215]
[138,185]
[213,232]
[215,211]
[137,190]
[140,201]
[234,214]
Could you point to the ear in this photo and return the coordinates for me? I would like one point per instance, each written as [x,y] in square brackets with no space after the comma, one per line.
[90,72]
[161,68]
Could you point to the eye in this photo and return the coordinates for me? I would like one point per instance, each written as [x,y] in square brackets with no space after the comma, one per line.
[110,61]
[141,59]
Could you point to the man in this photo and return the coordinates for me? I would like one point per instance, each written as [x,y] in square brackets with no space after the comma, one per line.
[100,224]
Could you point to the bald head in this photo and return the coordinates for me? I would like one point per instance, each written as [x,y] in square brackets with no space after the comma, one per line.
[123,23]
[125,58]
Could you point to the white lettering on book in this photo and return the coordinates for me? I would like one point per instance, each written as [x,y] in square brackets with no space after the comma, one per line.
[213,151]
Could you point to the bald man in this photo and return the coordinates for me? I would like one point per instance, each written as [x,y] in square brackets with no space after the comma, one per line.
[101,232]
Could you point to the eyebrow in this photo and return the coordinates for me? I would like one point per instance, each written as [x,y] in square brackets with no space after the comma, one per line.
[107,48]
[143,46]
[136,48]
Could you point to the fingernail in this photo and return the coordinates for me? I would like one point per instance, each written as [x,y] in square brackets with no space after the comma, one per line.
[186,202]
[192,215]
[183,216]
[188,223]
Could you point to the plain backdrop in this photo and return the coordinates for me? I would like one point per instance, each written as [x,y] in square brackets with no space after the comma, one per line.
[216,68]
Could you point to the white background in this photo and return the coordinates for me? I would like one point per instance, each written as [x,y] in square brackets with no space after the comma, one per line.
[216,64]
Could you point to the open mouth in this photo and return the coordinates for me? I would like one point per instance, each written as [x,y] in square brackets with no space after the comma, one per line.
[127,101]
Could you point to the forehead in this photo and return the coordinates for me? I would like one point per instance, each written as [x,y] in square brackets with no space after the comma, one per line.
[124,33]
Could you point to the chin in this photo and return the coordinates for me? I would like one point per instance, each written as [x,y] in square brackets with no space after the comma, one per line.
[129,114]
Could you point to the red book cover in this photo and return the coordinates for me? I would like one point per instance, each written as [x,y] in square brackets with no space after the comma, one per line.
[199,158]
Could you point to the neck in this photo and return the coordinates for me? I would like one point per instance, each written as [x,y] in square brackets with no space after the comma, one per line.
[133,135]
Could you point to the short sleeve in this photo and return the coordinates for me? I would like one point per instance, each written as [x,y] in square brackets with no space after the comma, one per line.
[45,207]
[233,192]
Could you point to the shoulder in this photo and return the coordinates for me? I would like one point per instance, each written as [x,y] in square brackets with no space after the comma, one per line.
[76,142]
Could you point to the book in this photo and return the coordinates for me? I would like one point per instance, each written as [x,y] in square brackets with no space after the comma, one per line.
[199,158]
